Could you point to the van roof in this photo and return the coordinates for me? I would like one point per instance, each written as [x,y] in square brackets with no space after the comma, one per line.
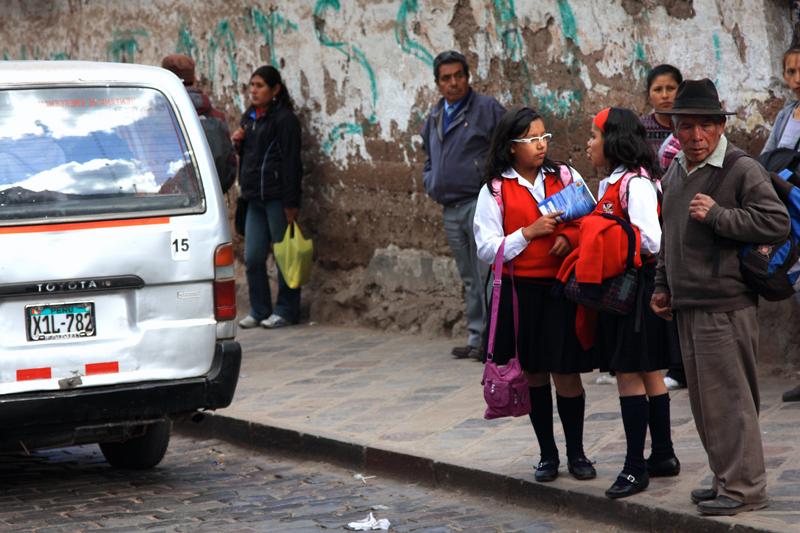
[60,72]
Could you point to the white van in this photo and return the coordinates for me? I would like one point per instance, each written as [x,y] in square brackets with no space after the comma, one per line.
[117,297]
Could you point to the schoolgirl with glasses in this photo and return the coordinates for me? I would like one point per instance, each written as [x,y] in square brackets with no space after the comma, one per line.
[519,175]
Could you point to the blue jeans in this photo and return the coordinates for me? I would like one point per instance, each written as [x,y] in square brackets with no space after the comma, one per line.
[264,225]
[460,237]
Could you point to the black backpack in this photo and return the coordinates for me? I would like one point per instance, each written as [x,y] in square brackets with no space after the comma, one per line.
[219,141]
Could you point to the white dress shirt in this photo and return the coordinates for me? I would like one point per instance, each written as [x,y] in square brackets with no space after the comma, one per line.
[488,222]
[642,207]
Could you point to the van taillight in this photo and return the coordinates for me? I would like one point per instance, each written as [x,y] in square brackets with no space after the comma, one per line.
[224,283]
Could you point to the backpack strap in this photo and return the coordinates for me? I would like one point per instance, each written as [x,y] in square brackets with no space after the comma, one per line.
[497,192]
[713,183]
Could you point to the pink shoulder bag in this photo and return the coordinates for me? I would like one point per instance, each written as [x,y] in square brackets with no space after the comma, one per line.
[505,388]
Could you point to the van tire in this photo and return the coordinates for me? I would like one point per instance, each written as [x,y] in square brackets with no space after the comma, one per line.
[139,453]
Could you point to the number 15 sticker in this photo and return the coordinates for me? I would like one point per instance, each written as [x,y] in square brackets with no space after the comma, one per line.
[179,245]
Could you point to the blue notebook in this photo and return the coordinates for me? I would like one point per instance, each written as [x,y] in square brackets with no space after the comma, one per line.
[575,200]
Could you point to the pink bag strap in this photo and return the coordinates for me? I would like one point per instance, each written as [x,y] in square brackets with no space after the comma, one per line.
[623,188]
[496,285]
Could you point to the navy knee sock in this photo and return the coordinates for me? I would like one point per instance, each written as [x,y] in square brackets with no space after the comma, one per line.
[542,420]
[571,410]
[634,419]
[660,428]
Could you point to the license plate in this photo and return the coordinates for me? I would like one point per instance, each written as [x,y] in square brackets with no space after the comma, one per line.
[60,321]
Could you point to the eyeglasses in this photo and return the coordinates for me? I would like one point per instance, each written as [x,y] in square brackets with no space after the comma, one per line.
[540,139]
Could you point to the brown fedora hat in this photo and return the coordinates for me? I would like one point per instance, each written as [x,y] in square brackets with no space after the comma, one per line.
[697,97]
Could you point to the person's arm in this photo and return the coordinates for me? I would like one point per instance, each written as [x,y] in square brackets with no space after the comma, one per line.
[763,218]
[777,128]
[291,166]
[643,212]
[489,233]
[426,169]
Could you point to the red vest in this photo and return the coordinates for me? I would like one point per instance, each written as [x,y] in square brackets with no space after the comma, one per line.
[521,210]
[610,203]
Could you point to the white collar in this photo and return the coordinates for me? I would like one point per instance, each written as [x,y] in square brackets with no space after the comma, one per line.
[537,187]
[617,174]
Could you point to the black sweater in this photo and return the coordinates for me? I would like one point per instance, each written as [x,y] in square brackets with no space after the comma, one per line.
[269,156]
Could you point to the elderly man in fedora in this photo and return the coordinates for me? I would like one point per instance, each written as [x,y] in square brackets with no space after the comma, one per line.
[698,282]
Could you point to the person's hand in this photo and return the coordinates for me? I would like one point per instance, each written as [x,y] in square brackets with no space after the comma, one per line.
[544,225]
[661,304]
[700,205]
[237,136]
[561,247]
[291,214]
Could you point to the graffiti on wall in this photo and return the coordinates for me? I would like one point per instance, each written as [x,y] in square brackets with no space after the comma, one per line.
[357,36]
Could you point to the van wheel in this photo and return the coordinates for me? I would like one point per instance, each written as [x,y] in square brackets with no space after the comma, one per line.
[139,453]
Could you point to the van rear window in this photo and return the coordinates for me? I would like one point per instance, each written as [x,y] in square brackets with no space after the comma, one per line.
[92,152]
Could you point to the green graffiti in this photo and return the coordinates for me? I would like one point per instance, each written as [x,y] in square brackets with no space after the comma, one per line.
[59,56]
[548,102]
[339,132]
[640,63]
[568,25]
[223,34]
[352,53]
[122,49]
[717,56]
[186,43]
[407,44]
[268,25]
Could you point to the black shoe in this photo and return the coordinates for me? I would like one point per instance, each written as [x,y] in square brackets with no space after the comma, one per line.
[792,395]
[627,485]
[666,468]
[546,470]
[724,506]
[581,468]
[462,352]
[702,495]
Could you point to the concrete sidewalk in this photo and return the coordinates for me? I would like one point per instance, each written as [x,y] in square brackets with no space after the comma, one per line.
[401,405]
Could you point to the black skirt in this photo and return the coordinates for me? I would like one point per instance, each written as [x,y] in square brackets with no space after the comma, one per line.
[547,341]
[637,342]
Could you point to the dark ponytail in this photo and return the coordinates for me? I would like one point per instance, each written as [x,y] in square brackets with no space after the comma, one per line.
[625,142]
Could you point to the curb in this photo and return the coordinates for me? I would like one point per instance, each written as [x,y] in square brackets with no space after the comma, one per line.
[512,490]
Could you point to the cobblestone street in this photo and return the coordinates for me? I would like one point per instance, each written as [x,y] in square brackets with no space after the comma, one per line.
[214,486]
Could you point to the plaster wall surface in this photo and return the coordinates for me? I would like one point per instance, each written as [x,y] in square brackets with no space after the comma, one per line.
[360,72]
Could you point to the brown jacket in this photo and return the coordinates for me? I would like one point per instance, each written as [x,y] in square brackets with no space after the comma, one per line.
[698,263]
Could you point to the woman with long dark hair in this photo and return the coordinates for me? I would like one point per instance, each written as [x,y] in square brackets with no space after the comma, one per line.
[520,175]
[633,346]
[270,173]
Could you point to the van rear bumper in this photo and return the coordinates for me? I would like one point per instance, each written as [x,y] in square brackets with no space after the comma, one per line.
[126,402]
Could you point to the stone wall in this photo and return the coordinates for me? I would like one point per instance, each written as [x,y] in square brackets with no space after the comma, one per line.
[360,73]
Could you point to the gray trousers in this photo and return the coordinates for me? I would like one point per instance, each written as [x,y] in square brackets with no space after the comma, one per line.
[719,355]
[461,238]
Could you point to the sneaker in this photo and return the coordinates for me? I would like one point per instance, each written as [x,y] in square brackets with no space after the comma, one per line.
[248,322]
[673,384]
[274,321]
[605,379]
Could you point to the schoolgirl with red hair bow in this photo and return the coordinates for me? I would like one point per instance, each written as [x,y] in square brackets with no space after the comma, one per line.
[634,346]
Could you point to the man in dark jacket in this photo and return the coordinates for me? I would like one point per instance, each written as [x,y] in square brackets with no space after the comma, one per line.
[213,121]
[456,137]
[698,279]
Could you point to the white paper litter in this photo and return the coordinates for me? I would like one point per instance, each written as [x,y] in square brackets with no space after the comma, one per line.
[370,523]
[362,478]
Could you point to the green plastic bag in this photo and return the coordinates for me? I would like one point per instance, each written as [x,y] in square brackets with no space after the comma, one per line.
[294,256]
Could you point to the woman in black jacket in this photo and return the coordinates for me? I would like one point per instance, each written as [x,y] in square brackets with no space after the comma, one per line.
[270,172]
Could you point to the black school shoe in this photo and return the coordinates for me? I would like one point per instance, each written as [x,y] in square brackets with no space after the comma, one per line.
[581,468]
[546,470]
[627,485]
[665,468]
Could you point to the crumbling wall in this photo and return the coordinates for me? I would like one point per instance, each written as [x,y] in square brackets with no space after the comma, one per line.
[360,73]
